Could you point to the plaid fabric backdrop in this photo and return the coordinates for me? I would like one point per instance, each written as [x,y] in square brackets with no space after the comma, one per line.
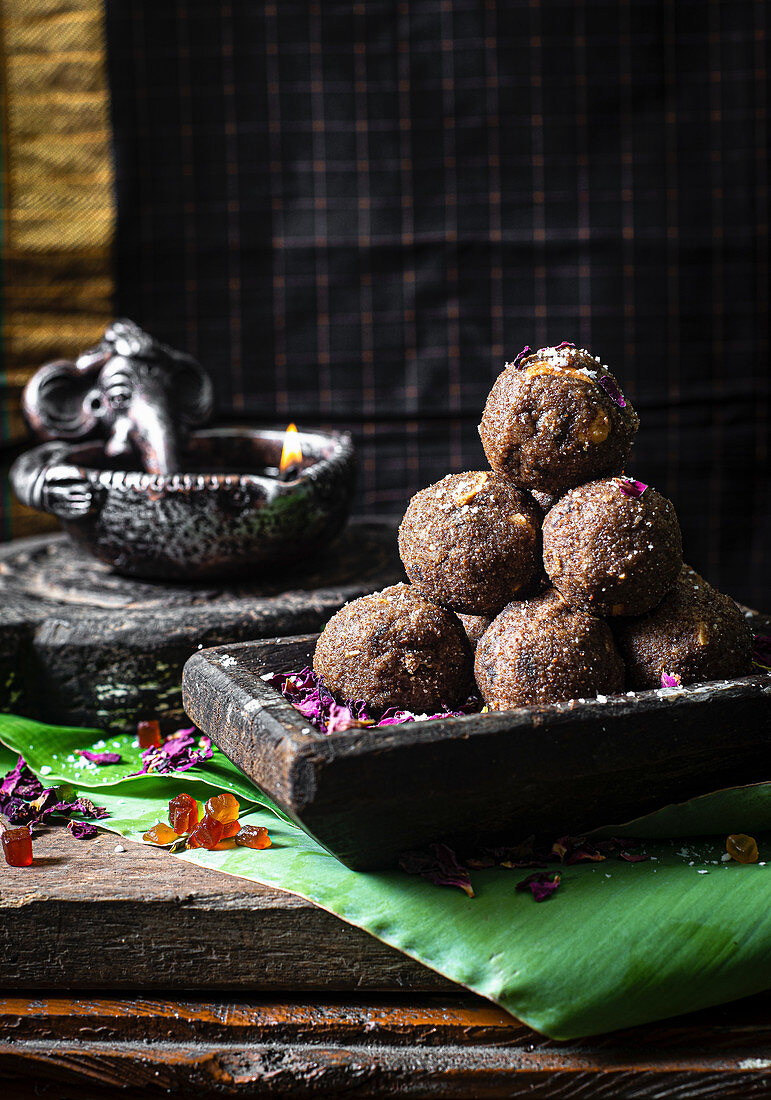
[354,212]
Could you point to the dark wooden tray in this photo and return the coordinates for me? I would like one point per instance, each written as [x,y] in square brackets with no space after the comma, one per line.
[369,794]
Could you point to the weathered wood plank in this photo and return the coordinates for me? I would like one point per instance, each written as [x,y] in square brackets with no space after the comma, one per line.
[414,1047]
[81,645]
[85,917]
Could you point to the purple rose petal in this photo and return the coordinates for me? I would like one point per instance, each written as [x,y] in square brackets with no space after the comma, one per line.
[541,885]
[29,803]
[761,651]
[307,694]
[631,488]
[100,758]
[668,681]
[564,344]
[81,830]
[612,390]
[178,753]
[517,360]
[440,866]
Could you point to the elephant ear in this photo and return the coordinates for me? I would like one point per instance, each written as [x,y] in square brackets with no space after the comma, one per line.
[54,403]
[191,390]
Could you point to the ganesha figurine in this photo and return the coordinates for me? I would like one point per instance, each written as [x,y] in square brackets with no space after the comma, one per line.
[136,481]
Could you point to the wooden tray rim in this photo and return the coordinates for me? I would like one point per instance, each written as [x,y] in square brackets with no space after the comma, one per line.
[266,701]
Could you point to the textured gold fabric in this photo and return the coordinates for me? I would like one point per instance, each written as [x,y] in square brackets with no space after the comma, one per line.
[57,196]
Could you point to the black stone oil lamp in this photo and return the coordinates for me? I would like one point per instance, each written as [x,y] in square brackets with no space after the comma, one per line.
[137,482]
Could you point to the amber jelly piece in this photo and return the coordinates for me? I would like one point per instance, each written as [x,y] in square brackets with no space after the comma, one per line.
[253,836]
[742,848]
[223,807]
[207,834]
[17,846]
[160,834]
[148,734]
[230,828]
[183,813]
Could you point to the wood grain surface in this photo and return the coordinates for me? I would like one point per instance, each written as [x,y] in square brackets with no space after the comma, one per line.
[85,917]
[80,644]
[411,1046]
[241,990]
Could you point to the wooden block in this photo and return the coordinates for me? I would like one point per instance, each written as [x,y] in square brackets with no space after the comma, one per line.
[85,917]
[83,646]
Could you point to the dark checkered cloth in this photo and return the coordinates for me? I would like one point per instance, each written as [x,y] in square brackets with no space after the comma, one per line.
[354,212]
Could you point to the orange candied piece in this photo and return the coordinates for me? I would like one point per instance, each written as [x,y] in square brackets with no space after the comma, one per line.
[223,807]
[149,734]
[17,846]
[160,834]
[207,834]
[253,836]
[742,848]
[230,828]
[183,813]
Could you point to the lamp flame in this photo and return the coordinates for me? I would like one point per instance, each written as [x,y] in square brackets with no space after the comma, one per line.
[292,454]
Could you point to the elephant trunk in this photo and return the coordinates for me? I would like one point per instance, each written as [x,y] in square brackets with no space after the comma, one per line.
[155,435]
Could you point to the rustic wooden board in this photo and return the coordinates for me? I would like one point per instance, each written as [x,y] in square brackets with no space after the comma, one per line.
[81,645]
[456,1046]
[369,794]
[84,917]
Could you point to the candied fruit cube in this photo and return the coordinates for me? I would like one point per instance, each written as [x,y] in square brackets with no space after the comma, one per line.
[17,846]
[160,834]
[207,834]
[183,813]
[230,828]
[148,734]
[253,836]
[742,848]
[223,807]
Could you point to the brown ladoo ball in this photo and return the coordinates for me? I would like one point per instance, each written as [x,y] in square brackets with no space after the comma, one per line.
[543,651]
[471,542]
[550,422]
[545,501]
[696,633]
[475,626]
[610,552]
[395,649]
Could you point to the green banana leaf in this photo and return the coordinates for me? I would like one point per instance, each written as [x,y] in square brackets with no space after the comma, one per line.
[618,944]
[50,752]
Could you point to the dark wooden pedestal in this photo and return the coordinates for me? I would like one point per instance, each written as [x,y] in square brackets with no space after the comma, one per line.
[83,646]
[408,1045]
[135,974]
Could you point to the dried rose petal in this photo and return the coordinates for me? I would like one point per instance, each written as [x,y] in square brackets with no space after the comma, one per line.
[541,886]
[307,693]
[21,781]
[100,758]
[177,753]
[560,848]
[81,830]
[586,853]
[340,718]
[517,360]
[630,487]
[670,681]
[761,650]
[612,390]
[440,866]
[564,344]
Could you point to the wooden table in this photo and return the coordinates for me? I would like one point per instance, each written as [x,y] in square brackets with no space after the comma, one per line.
[136,974]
